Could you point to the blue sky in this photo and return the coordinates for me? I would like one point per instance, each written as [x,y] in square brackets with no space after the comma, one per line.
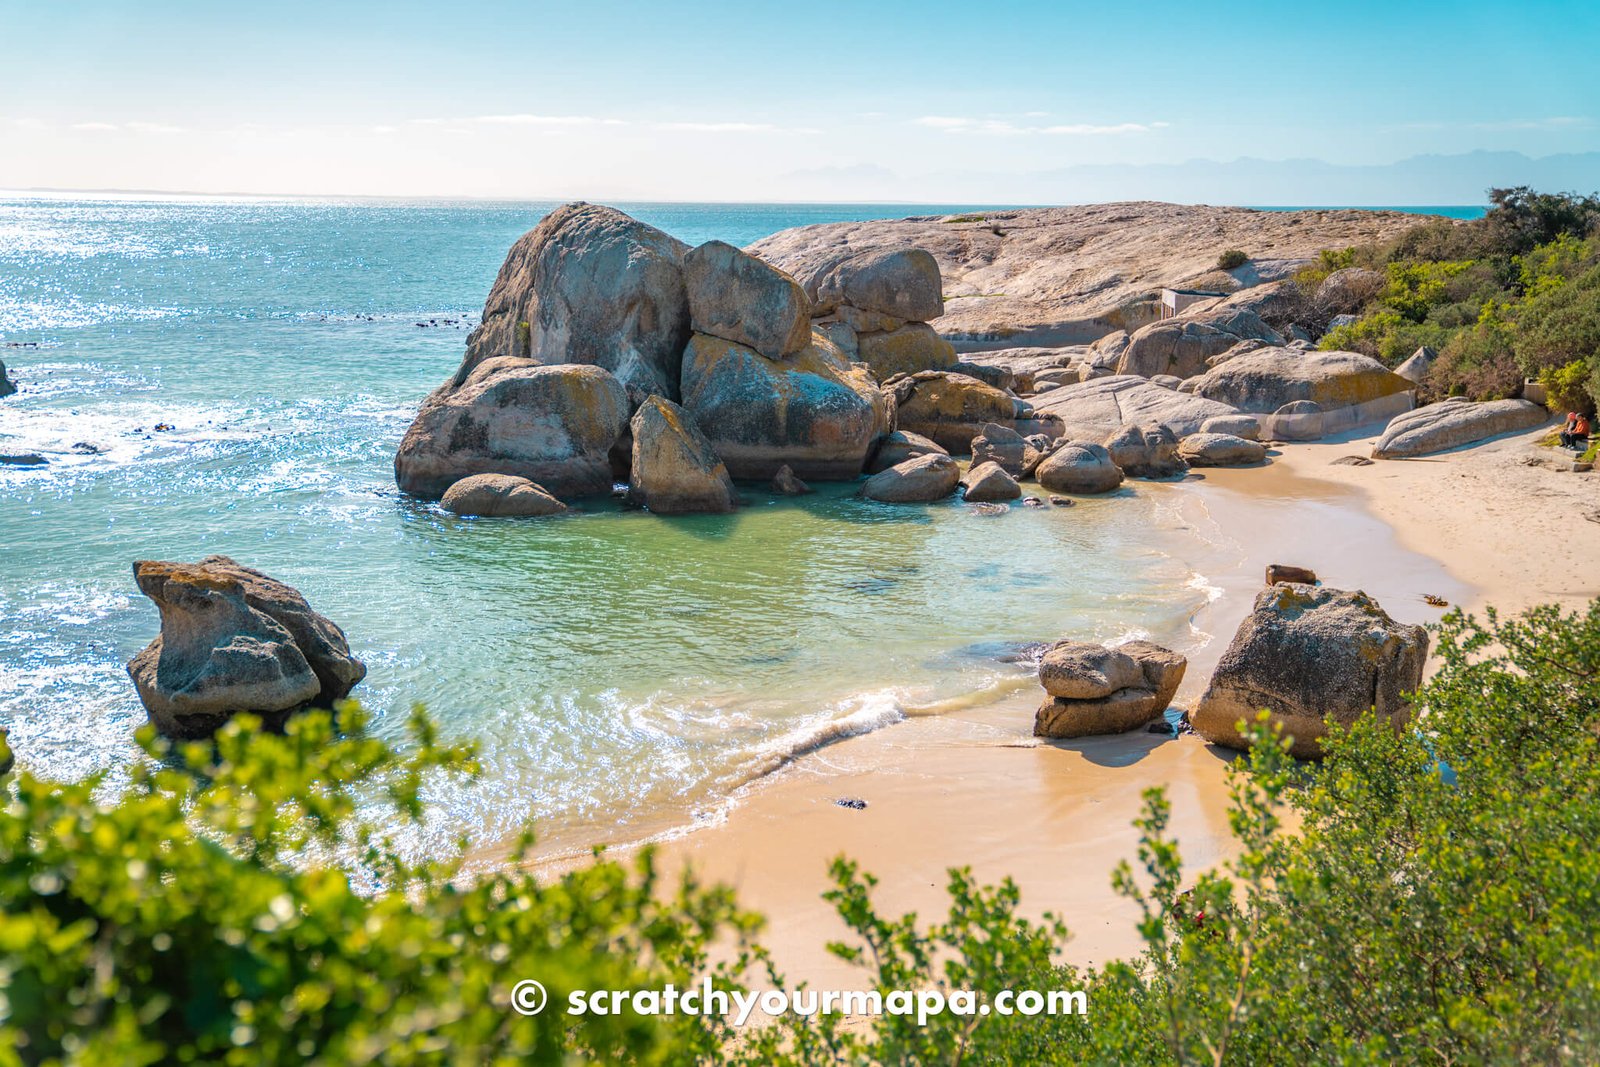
[721,100]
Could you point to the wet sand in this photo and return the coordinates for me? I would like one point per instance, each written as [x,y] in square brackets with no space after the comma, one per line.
[972,787]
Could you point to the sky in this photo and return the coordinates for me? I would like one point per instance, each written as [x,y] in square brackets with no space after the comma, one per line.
[998,102]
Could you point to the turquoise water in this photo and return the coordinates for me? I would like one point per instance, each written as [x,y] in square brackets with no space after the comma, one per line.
[616,667]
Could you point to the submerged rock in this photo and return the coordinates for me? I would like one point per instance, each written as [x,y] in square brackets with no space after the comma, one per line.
[590,285]
[675,469]
[1312,655]
[234,640]
[1453,423]
[737,297]
[916,481]
[552,425]
[814,411]
[1098,690]
[7,386]
[785,483]
[499,496]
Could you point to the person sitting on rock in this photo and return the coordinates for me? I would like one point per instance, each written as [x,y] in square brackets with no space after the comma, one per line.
[1576,433]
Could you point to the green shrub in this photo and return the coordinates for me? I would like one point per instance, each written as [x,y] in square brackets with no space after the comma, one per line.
[1566,388]
[1560,326]
[1232,259]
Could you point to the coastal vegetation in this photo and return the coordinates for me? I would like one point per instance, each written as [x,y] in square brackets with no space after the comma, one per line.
[1232,259]
[234,901]
[1511,296]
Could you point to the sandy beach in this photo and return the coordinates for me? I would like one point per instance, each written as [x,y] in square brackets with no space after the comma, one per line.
[974,787]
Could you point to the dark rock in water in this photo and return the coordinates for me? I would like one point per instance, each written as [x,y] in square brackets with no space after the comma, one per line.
[1032,502]
[1162,727]
[89,448]
[853,803]
[1282,572]
[786,483]
[1352,461]
[5,752]
[234,640]
[7,387]
[1062,501]
[22,459]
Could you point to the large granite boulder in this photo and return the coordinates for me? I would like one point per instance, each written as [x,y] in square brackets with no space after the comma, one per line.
[499,496]
[1312,656]
[1182,347]
[735,296]
[552,425]
[916,481]
[1079,467]
[1094,410]
[1144,452]
[675,470]
[901,446]
[1241,425]
[1455,422]
[989,483]
[906,350]
[234,640]
[950,408]
[1006,447]
[1220,450]
[589,284]
[1268,378]
[814,411]
[1098,690]
[902,283]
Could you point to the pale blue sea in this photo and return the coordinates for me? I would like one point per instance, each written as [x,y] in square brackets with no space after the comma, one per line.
[614,666]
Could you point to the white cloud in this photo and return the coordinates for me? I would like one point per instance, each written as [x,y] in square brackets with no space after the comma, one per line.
[154,127]
[96,126]
[1006,128]
[718,127]
[546,120]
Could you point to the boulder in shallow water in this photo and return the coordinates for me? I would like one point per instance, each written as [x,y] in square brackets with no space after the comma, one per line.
[1453,423]
[1079,467]
[737,297]
[950,408]
[916,481]
[815,411]
[786,483]
[1098,690]
[552,425]
[901,446]
[988,483]
[1144,452]
[675,469]
[590,285]
[7,386]
[1004,446]
[234,640]
[1312,655]
[1220,450]
[499,496]
[906,350]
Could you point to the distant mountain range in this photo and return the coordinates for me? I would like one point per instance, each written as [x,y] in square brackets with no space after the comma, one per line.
[1430,180]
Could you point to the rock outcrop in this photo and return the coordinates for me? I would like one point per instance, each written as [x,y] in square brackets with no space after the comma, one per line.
[1455,422]
[1007,448]
[989,483]
[1182,346]
[1069,275]
[1220,450]
[590,285]
[909,348]
[1417,365]
[499,496]
[950,409]
[552,425]
[675,469]
[1312,656]
[1144,452]
[901,446]
[899,283]
[1268,378]
[916,481]
[1098,690]
[234,640]
[814,411]
[1079,467]
[737,297]
[1245,426]
[1094,410]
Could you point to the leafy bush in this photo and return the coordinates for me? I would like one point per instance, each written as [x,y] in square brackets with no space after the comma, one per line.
[1385,335]
[164,922]
[1560,326]
[1566,387]
[1232,259]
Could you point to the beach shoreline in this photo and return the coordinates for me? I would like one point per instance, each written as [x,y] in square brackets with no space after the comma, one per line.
[973,787]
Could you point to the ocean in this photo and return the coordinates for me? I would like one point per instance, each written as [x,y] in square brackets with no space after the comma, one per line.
[621,672]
